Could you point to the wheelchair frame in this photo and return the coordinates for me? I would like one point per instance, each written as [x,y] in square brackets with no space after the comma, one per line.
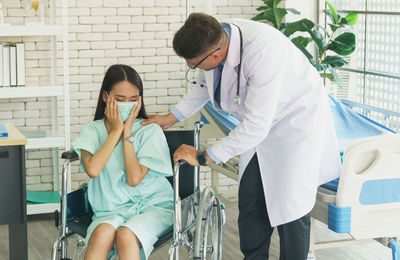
[199,214]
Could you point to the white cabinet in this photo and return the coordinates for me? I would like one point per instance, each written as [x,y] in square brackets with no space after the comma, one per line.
[54,139]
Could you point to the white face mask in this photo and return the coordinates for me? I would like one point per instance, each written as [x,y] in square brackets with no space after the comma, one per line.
[125,108]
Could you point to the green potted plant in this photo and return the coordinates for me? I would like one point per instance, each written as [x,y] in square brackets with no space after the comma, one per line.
[332,46]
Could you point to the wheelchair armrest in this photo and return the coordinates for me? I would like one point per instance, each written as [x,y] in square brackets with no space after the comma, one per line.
[71,155]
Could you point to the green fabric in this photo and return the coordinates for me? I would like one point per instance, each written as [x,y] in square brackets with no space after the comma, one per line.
[40,197]
[146,209]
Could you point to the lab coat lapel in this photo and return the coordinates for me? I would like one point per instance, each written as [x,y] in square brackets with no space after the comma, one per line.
[229,73]
[210,84]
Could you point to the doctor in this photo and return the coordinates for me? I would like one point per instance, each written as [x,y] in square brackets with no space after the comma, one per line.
[286,141]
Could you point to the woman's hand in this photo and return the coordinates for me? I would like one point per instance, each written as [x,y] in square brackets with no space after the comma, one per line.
[113,116]
[134,113]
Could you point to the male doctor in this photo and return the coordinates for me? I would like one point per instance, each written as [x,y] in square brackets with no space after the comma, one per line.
[286,141]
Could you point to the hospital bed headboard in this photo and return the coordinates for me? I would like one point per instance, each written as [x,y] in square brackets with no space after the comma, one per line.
[368,196]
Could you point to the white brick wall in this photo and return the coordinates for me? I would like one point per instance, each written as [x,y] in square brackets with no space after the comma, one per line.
[101,33]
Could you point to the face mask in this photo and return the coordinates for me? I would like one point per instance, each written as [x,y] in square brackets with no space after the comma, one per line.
[125,108]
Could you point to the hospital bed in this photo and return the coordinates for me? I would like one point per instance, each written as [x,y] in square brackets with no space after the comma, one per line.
[198,216]
[365,201]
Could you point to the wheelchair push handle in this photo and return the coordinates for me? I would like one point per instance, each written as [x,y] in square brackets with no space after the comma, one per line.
[71,155]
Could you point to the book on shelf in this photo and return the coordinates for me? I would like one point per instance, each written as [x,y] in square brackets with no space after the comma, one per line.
[20,64]
[6,66]
[3,130]
[1,64]
[12,64]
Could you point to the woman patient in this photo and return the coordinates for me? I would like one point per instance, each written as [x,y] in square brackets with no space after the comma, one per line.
[131,199]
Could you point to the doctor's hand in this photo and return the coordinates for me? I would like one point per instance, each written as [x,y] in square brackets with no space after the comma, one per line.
[165,121]
[187,153]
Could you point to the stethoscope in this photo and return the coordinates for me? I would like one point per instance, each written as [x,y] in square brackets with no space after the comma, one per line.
[237,97]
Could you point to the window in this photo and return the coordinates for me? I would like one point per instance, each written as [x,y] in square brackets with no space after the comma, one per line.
[372,76]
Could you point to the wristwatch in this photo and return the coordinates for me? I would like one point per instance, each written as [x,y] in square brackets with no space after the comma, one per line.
[129,139]
[202,159]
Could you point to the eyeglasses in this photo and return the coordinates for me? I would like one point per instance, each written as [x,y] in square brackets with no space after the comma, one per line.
[193,68]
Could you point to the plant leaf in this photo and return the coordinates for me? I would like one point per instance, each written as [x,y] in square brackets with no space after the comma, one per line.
[299,26]
[276,2]
[269,3]
[258,17]
[344,44]
[332,77]
[261,8]
[272,15]
[334,61]
[329,14]
[335,76]
[320,66]
[327,75]
[322,28]
[352,18]
[301,43]
[279,13]
[267,15]
[293,11]
[319,40]
[334,27]
[343,22]
[283,26]
[333,11]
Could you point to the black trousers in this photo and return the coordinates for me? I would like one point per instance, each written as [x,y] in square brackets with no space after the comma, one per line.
[255,229]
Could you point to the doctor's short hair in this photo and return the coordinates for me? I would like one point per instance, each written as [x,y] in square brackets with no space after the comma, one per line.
[199,34]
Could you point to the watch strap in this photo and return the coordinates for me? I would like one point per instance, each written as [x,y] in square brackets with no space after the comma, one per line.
[202,159]
[129,139]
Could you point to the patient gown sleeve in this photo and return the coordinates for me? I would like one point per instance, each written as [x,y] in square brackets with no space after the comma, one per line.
[87,140]
[153,151]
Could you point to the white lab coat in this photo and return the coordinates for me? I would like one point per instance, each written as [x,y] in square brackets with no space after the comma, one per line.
[286,118]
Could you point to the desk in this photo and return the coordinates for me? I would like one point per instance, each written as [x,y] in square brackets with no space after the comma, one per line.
[13,191]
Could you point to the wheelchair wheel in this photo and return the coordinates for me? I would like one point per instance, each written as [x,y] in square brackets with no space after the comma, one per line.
[208,233]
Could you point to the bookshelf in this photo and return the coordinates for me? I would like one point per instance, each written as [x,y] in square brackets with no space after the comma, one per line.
[55,138]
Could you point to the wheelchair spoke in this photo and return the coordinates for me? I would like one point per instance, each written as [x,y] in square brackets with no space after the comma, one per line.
[208,235]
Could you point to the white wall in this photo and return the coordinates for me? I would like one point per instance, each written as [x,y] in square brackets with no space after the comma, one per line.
[307,8]
[101,33]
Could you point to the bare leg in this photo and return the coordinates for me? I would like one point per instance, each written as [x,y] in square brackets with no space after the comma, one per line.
[127,244]
[101,242]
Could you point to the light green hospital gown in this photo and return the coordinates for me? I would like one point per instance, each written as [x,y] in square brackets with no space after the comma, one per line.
[146,209]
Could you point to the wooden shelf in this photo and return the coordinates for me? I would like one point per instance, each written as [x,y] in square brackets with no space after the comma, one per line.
[43,139]
[23,92]
[57,90]
[30,30]
[32,209]
[14,136]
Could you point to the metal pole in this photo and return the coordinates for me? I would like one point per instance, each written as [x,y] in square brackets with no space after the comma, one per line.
[64,208]
[365,53]
[197,126]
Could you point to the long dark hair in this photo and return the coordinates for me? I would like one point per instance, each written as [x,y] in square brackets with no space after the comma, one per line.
[115,74]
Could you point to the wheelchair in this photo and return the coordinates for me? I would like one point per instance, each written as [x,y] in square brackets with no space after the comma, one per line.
[198,218]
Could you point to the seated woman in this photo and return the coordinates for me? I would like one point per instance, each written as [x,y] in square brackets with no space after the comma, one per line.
[131,199]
